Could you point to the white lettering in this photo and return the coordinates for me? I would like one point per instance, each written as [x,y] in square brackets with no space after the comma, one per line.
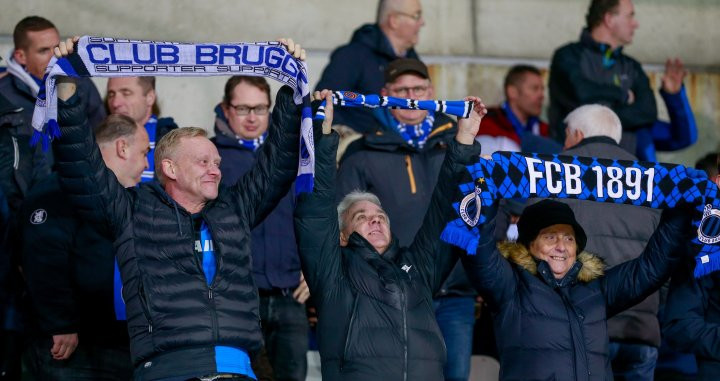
[572,178]
[535,175]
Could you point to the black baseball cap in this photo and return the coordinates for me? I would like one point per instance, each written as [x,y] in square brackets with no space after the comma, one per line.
[404,66]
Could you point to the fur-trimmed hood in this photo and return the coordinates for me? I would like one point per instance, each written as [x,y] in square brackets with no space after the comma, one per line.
[593,267]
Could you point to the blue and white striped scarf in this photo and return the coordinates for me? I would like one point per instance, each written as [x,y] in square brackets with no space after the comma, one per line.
[460,109]
[113,57]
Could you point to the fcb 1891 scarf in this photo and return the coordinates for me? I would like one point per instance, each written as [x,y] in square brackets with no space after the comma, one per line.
[113,57]
[656,185]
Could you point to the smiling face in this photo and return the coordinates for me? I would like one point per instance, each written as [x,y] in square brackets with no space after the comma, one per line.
[556,245]
[196,169]
[370,221]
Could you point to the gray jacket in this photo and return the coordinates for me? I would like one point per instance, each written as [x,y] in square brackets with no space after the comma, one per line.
[618,233]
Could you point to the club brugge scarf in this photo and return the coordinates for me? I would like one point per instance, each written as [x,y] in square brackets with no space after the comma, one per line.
[112,57]
[416,134]
[350,99]
[656,185]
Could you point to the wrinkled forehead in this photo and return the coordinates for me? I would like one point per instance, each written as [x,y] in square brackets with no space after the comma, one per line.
[364,206]
[196,147]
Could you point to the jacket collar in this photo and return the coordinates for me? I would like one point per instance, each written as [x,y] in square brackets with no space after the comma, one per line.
[595,139]
[368,251]
[587,268]
[587,40]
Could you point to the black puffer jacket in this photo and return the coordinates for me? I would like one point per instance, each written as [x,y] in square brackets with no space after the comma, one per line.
[403,177]
[375,314]
[548,329]
[171,311]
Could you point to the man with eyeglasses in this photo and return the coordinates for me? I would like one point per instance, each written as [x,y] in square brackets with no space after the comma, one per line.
[400,163]
[359,65]
[241,127]
[136,97]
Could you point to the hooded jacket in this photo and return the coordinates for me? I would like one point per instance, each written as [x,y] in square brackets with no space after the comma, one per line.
[550,329]
[276,263]
[180,326]
[403,177]
[359,66]
[587,72]
[375,314]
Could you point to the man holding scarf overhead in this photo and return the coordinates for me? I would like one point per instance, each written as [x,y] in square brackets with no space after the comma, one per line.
[374,294]
[183,243]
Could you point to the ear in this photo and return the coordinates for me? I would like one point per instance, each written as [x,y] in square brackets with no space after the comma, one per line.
[384,91]
[20,57]
[150,98]
[168,169]
[121,148]
[512,92]
[343,239]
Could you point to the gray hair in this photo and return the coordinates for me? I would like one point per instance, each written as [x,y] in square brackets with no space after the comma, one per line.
[350,199]
[385,9]
[595,120]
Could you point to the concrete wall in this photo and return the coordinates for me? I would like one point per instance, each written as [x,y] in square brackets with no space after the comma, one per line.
[469,43]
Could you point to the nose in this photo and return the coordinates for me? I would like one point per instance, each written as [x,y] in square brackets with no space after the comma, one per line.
[214,170]
[114,102]
[251,116]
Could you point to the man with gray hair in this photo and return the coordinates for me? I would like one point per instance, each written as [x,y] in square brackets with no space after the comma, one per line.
[374,298]
[359,65]
[619,234]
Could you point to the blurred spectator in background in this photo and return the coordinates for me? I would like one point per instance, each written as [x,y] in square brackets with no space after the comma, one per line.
[515,125]
[136,97]
[359,65]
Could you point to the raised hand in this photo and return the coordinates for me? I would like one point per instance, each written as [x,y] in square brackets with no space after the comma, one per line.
[468,127]
[66,47]
[672,79]
[295,49]
[327,95]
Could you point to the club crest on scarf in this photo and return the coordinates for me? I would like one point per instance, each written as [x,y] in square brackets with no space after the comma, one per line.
[709,230]
[649,184]
[471,205]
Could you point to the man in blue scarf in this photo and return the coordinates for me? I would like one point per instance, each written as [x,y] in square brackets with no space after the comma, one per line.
[400,164]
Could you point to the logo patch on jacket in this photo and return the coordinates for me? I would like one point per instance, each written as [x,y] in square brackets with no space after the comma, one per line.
[38,217]
[406,268]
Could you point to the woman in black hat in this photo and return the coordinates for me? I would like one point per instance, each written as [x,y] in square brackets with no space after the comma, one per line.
[550,300]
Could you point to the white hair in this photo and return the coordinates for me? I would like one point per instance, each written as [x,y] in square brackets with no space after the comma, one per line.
[385,9]
[595,120]
[350,199]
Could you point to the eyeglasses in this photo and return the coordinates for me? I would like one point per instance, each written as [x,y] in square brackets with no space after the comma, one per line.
[403,92]
[415,16]
[243,110]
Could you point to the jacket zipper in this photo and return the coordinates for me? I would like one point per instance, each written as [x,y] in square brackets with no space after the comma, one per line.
[145,307]
[349,331]
[411,175]
[16,153]
[403,305]
[211,296]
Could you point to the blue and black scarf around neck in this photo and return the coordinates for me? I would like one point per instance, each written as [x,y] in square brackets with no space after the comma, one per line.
[655,185]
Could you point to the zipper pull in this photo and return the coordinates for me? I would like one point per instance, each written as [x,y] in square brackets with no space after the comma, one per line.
[210,294]
[149,328]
